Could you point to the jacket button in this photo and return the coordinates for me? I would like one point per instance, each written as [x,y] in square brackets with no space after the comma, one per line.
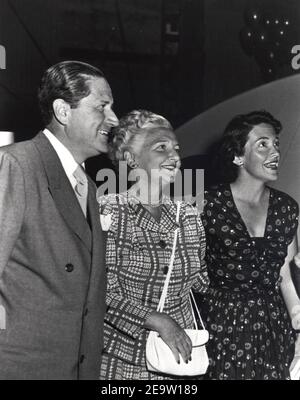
[162,244]
[165,270]
[82,357]
[69,267]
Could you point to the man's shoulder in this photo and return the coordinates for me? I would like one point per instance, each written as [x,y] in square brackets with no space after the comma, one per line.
[20,151]
[24,157]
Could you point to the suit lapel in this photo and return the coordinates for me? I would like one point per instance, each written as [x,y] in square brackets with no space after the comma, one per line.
[93,213]
[62,191]
[98,239]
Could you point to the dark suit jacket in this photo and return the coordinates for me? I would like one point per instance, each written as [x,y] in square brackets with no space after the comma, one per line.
[52,275]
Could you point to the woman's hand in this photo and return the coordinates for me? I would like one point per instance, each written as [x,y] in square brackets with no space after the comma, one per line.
[172,334]
[297,259]
[295,366]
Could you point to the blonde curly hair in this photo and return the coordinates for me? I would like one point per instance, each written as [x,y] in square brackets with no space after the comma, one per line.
[131,125]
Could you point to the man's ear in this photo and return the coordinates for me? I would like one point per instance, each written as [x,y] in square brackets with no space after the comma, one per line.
[61,111]
[130,159]
[238,161]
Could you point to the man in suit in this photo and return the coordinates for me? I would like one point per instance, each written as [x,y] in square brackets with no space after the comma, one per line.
[52,274]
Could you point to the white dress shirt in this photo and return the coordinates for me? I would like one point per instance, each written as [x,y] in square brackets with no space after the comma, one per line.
[67,160]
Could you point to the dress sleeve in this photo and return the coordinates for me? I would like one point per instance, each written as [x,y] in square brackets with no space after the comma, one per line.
[204,216]
[122,313]
[202,283]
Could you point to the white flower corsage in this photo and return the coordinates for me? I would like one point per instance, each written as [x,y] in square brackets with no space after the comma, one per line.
[105,221]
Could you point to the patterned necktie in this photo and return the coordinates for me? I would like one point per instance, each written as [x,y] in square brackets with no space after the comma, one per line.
[81,188]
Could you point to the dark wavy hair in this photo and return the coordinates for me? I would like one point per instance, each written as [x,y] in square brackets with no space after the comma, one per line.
[235,138]
[67,80]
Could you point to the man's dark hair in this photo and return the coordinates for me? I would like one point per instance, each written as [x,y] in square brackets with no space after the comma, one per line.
[67,80]
[234,139]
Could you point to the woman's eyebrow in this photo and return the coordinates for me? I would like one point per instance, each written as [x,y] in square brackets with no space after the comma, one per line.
[263,137]
[162,141]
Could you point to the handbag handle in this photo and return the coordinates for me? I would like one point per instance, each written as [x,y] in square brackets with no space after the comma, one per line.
[163,296]
[192,299]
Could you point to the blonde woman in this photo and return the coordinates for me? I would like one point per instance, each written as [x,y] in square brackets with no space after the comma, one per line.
[139,243]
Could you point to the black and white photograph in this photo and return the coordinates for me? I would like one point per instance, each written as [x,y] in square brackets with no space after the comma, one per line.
[149,193]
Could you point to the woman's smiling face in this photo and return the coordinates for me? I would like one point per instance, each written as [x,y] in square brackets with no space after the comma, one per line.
[157,152]
[261,153]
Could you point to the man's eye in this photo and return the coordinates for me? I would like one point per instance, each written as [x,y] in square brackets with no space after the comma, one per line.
[161,147]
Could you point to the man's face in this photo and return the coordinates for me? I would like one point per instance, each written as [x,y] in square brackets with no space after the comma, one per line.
[90,122]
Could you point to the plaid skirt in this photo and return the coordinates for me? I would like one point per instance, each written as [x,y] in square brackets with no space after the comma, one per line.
[113,368]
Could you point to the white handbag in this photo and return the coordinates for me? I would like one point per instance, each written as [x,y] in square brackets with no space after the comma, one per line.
[159,356]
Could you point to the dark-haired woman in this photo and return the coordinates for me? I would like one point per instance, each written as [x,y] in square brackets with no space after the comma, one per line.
[250,229]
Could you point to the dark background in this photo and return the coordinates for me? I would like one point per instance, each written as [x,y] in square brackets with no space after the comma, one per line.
[174,57]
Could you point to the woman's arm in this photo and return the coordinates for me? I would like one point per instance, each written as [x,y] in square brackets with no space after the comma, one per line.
[130,317]
[288,289]
[292,302]
[122,313]
[296,275]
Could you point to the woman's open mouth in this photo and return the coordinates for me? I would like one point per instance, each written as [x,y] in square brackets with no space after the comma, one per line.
[273,164]
[103,132]
[169,167]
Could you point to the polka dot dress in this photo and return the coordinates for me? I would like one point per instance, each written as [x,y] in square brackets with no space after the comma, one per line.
[250,331]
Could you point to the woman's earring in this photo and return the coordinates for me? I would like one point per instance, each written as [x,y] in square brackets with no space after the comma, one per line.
[237,161]
[130,160]
[133,164]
